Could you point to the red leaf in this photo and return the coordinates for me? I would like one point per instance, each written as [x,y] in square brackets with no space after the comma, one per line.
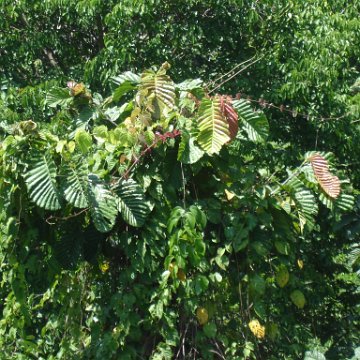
[230,114]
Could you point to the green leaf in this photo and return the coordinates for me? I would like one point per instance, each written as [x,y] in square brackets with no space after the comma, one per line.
[41,183]
[189,85]
[282,247]
[131,202]
[201,284]
[75,184]
[102,203]
[123,89]
[213,126]
[58,97]
[188,152]
[356,354]
[210,330]
[314,355]
[257,285]
[344,202]
[160,85]
[306,205]
[83,140]
[100,133]
[254,123]
[126,76]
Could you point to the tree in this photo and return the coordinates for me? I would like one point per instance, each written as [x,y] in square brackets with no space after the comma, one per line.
[138,220]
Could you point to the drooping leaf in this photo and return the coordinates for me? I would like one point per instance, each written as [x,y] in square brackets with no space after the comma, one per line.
[328,182]
[213,126]
[306,206]
[254,123]
[102,203]
[230,114]
[131,202]
[344,202]
[75,184]
[40,179]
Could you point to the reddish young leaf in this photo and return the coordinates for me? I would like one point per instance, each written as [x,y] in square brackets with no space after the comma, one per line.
[328,182]
[230,114]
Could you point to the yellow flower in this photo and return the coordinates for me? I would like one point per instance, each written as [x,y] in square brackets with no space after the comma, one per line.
[257,329]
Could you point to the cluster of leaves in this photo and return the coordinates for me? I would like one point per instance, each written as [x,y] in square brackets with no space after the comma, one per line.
[159,222]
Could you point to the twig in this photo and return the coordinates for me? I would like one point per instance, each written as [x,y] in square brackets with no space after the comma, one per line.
[183,185]
[182,345]
[229,72]
[237,73]
[51,57]
[64,218]
[144,152]
[159,137]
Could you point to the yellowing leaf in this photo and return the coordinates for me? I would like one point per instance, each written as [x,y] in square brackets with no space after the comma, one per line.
[282,276]
[213,126]
[181,275]
[298,298]
[83,140]
[257,329]
[202,315]
[229,195]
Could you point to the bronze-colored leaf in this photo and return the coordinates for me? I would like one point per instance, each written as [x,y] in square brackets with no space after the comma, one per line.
[230,114]
[328,182]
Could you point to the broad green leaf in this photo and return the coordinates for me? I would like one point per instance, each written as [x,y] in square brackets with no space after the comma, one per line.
[254,123]
[189,85]
[58,97]
[314,355]
[210,330]
[75,184]
[257,285]
[160,85]
[131,202]
[188,152]
[213,126]
[306,205]
[126,76]
[100,133]
[344,202]
[123,89]
[83,140]
[40,179]
[102,203]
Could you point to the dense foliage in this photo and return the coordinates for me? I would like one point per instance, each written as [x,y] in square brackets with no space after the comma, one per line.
[144,216]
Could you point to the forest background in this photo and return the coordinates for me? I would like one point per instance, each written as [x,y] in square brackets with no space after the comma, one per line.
[235,239]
